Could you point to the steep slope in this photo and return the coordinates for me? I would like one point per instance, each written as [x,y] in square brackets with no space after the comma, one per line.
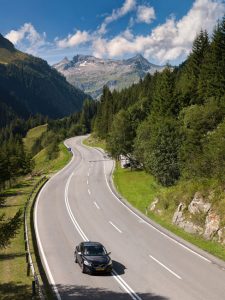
[28,85]
[90,73]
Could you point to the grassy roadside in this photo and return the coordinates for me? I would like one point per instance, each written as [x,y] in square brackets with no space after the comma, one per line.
[14,282]
[93,141]
[140,189]
[32,135]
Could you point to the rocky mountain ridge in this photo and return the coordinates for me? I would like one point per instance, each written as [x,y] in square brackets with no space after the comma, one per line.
[90,74]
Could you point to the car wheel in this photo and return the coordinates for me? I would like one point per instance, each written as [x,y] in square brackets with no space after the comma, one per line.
[83,268]
[76,261]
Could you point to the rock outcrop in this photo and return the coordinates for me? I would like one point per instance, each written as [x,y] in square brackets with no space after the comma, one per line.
[180,220]
[221,236]
[198,204]
[212,225]
[199,217]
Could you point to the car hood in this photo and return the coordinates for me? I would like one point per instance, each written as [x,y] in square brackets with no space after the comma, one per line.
[97,259]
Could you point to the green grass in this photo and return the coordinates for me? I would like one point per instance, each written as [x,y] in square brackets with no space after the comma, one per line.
[32,135]
[14,283]
[136,186]
[45,166]
[93,141]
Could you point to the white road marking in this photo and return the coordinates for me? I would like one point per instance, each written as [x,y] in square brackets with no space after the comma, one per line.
[161,264]
[80,231]
[125,286]
[87,182]
[141,220]
[115,227]
[88,174]
[96,205]
[89,192]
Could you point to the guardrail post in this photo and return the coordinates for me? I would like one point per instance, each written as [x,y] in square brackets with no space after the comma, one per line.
[27,255]
[28,269]
[33,287]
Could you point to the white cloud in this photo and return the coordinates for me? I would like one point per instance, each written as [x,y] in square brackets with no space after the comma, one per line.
[99,47]
[27,37]
[170,41]
[128,6]
[74,40]
[145,14]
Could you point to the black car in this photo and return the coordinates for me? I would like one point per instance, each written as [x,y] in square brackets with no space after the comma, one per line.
[92,257]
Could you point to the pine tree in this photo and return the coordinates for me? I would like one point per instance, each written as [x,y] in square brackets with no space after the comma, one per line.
[163,102]
[9,228]
[212,77]
[104,113]
[187,82]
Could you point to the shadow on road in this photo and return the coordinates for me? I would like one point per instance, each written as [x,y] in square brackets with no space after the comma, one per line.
[85,292]
[118,267]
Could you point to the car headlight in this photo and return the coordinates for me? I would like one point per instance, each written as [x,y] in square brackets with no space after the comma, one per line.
[109,263]
[87,263]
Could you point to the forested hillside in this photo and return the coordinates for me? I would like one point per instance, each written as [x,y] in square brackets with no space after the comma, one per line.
[28,85]
[172,123]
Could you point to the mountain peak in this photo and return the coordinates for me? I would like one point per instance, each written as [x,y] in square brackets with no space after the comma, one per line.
[6,44]
[139,56]
[65,60]
[90,73]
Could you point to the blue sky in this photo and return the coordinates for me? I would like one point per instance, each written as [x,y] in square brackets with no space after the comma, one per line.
[161,30]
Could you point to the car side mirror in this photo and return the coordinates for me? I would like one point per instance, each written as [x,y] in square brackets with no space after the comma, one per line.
[108,253]
[79,253]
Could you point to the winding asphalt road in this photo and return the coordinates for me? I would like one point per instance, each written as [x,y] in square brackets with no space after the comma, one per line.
[79,204]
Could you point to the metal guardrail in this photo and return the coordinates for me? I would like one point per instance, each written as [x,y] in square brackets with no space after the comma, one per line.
[36,286]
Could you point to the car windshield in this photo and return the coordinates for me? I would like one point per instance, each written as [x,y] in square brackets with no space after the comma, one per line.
[94,250]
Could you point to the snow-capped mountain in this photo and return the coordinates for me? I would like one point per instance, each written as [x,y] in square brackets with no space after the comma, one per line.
[90,74]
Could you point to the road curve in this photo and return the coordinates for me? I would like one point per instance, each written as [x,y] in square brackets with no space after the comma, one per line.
[78,204]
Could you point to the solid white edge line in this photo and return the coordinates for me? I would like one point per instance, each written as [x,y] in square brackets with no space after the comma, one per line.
[89,192]
[49,273]
[74,221]
[115,227]
[161,264]
[96,205]
[125,286]
[141,220]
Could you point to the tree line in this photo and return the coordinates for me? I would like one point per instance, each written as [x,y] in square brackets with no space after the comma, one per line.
[14,162]
[172,123]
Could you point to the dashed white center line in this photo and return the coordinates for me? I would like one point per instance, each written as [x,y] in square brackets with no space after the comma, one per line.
[115,227]
[87,181]
[89,192]
[161,264]
[96,205]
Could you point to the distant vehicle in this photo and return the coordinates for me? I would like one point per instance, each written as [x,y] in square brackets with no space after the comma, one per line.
[92,257]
